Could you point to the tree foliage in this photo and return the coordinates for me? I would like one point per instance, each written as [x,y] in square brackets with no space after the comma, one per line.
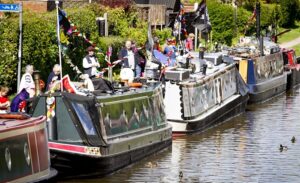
[9,51]
[223,21]
[289,11]
[40,40]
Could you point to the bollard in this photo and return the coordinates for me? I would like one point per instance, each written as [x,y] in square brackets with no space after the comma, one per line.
[204,67]
[187,63]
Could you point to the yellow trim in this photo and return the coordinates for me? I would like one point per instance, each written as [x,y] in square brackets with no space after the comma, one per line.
[243,69]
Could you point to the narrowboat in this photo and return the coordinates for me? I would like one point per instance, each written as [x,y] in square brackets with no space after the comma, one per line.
[264,75]
[200,98]
[101,132]
[292,67]
[24,153]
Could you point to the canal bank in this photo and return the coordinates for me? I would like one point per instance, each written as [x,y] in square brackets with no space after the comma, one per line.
[245,149]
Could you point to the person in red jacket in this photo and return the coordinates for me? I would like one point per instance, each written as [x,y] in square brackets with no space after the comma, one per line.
[189,44]
[4,102]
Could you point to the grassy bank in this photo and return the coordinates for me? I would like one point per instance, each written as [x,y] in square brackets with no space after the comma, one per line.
[297,49]
[289,36]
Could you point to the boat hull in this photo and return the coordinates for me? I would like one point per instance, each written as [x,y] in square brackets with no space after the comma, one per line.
[73,165]
[24,148]
[268,89]
[98,134]
[226,110]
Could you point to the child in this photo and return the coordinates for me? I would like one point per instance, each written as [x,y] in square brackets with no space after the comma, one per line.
[4,102]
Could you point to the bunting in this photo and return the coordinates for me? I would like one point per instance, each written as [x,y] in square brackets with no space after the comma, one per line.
[202,21]
[71,29]
[180,23]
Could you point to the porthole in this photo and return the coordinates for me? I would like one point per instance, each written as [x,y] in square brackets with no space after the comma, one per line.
[27,154]
[8,159]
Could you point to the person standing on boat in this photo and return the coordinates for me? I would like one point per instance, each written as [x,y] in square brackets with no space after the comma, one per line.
[129,59]
[90,63]
[140,56]
[53,76]
[189,43]
[170,51]
[27,82]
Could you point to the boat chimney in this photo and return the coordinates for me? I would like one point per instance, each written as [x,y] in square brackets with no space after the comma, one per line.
[258,36]
[36,78]
[204,67]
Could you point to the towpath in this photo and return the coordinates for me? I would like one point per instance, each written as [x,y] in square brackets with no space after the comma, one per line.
[290,43]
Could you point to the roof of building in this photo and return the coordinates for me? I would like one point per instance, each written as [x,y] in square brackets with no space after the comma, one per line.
[170,4]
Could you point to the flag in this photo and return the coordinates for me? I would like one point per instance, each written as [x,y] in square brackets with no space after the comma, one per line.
[64,22]
[202,21]
[180,23]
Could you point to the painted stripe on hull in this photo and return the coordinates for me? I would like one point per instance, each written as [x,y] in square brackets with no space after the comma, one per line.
[43,151]
[67,148]
[34,153]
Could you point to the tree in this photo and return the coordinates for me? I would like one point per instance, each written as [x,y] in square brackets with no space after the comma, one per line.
[289,11]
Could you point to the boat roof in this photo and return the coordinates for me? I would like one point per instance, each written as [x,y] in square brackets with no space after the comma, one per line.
[118,91]
[11,123]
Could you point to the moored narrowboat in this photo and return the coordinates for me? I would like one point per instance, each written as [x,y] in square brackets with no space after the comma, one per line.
[99,133]
[196,101]
[24,153]
[263,74]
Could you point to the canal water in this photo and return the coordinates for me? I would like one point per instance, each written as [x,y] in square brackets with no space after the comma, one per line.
[244,149]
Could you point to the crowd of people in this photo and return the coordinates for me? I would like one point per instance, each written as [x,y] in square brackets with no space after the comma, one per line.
[26,90]
[130,58]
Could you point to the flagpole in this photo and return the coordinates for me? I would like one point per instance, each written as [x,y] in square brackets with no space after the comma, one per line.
[109,66]
[59,45]
[20,45]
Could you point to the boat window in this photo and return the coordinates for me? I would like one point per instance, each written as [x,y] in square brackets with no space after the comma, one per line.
[85,118]
[66,129]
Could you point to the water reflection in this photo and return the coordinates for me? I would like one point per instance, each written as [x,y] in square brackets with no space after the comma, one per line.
[245,149]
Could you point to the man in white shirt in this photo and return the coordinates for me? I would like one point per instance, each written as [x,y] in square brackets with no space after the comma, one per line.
[131,61]
[27,81]
[90,63]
